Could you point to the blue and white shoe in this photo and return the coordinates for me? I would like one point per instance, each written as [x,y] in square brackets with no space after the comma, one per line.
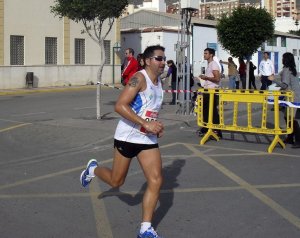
[149,233]
[85,177]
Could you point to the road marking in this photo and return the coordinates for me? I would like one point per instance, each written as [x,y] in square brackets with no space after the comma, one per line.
[28,114]
[251,189]
[102,223]
[83,108]
[14,127]
[242,150]
[1,119]
[124,192]
[47,176]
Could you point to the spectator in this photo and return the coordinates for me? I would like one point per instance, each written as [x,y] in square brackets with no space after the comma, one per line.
[242,72]
[211,80]
[232,72]
[141,62]
[131,67]
[266,69]
[173,72]
[252,67]
[289,81]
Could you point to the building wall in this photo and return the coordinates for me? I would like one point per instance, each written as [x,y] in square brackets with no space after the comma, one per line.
[33,20]
[55,75]
[204,37]
[139,41]
[210,36]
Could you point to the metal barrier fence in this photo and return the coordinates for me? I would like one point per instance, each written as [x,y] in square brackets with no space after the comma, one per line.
[249,98]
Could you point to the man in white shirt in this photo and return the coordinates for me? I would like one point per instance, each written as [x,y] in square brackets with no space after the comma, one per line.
[266,69]
[211,80]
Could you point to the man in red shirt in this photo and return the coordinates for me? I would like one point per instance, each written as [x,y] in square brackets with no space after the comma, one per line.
[131,67]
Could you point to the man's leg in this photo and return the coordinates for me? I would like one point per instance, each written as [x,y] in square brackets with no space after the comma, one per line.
[115,177]
[150,161]
[263,83]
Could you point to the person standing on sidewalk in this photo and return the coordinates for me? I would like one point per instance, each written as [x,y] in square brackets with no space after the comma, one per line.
[131,67]
[232,72]
[173,72]
[266,71]
[211,80]
[242,72]
[136,136]
[289,81]
[252,67]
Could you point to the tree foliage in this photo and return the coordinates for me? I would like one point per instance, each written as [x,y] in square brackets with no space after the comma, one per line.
[297,33]
[243,32]
[89,10]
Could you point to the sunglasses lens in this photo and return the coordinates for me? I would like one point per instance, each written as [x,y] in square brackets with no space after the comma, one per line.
[159,58]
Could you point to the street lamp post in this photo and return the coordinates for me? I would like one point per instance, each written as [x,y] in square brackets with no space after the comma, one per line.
[297,24]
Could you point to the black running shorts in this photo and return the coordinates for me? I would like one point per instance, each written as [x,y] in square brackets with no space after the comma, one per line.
[130,150]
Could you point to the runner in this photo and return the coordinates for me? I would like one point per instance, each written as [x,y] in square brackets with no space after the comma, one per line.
[136,136]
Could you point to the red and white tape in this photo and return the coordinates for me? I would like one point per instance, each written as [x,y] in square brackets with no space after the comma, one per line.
[166,91]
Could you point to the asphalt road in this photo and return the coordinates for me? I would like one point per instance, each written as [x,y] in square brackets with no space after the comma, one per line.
[227,189]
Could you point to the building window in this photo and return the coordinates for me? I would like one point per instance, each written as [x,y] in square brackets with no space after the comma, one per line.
[272,41]
[294,52]
[283,41]
[17,50]
[50,50]
[107,51]
[79,51]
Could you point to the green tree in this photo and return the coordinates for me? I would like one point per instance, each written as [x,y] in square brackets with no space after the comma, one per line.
[297,33]
[94,14]
[244,31]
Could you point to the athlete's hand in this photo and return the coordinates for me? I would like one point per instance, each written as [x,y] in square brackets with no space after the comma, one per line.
[160,134]
[153,127]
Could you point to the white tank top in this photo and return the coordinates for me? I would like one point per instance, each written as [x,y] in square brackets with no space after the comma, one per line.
[146,104]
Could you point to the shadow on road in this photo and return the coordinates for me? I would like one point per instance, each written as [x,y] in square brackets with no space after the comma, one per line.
[170,174]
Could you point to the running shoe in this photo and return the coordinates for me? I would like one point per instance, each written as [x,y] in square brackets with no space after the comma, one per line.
[85,177]
[150,233]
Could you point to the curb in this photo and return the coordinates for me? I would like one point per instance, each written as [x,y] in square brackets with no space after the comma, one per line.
[45,90]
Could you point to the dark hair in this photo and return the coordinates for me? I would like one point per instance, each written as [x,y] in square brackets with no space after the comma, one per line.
[131,51]
[268,53]
[211,51]
[149,51]
[139,57]
[288,61]
[170,62]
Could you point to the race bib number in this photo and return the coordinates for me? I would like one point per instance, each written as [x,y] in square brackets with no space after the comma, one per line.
[148,115]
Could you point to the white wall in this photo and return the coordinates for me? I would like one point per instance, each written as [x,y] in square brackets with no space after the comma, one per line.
[139,41]
[50,76]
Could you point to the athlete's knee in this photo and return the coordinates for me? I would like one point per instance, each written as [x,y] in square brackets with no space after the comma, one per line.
[155,181]
[116,183]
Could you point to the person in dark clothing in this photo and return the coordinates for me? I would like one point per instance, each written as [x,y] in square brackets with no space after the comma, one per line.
[173,72]
[252,67]
[242,72]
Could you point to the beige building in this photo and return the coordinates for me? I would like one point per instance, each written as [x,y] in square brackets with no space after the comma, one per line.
[216,9]
[285,8]
[33,39]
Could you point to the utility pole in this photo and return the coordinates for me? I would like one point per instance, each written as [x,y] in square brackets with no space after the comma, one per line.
[297,24]
[183,58]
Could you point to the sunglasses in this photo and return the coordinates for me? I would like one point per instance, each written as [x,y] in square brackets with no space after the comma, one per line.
[159,58]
